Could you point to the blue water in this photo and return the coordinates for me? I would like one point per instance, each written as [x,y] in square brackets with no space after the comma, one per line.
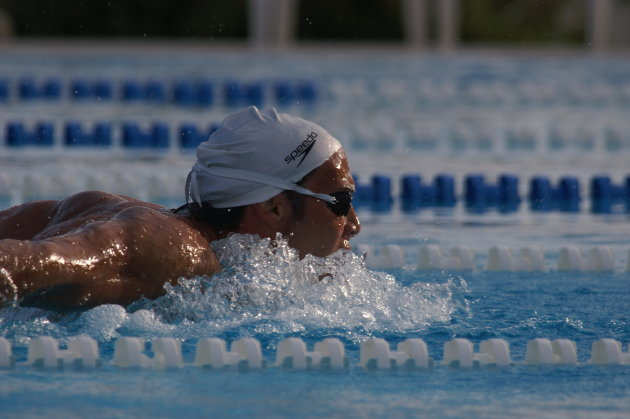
[269,301]
[274,296]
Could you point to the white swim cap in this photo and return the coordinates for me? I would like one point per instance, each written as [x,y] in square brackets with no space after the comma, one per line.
[254,155]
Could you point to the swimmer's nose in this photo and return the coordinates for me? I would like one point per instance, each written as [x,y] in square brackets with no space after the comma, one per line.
[353,225]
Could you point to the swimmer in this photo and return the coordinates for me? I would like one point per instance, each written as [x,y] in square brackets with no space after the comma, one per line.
[261,173]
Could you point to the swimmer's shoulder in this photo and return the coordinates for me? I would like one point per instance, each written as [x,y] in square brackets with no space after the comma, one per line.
[165,247]
[23,221]
[161,224]
[28,220]
[90,202]
[159,245]
[136,219]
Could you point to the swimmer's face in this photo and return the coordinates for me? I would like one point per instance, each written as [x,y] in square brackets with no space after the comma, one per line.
[320,231]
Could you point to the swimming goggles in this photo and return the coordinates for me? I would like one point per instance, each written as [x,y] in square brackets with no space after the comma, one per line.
[342,204]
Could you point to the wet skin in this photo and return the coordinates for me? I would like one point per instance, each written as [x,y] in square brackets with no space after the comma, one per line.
[321,232]
[96,248]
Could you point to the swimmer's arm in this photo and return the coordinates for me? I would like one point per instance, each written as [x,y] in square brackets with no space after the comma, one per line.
[61,272]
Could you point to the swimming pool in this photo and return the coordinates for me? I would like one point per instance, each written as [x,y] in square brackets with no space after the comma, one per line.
[476,113]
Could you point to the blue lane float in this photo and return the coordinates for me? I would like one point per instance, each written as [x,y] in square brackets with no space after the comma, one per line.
[381,193]
[80,90]
[428,93]
[184,92]
[156,137]
[189,93]
[151,91]
[76,136]
[29,89]
[605,194]
[287,92]
[83,90]
[480,195]
[415,194]
[51,89]
[42,135]
[190,135]
[238,94]
[102,90]
[307,92]
[4,90]
[376,195]
[566,196]
[255,94]
[284,93]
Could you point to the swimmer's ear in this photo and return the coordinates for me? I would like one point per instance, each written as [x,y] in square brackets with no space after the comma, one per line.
[274,212]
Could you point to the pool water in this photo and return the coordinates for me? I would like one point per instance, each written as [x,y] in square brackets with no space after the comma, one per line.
[462,117]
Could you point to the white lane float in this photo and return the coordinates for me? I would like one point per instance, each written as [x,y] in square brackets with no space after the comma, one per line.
[459,258]
[167,353]
[245,354]
[129,353]
[597,259]
[7,360]
[570,259]
[213,353]
[390,256]
[500,259]
[375,354]
[86,352]
[460,353]
[541,351]
[600,259]
[44,353]
[430,257]
[609,352]
[528,259]
[328,354]
[531,259]
[292,354]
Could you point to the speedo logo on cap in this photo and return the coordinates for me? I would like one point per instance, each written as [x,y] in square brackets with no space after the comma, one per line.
[302,150]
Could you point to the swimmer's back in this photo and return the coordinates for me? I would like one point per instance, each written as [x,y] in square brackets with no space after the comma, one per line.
[107,248]
[44,218]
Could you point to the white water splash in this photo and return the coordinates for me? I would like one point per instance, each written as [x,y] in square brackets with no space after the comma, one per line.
[266,289]
[269,289]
